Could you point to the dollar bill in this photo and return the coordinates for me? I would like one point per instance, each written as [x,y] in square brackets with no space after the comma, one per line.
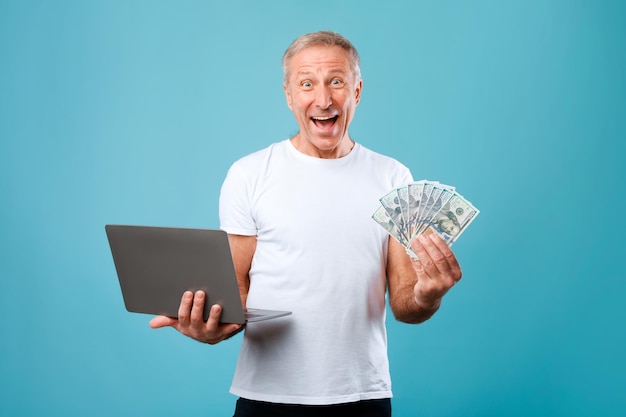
[453,218]
[415,191]
[403,197]
[382,217]
[391,203]
[428,190]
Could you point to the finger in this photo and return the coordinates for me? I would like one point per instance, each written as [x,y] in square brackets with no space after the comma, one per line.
[197,310]
[418,267]
[448,255]
[434,251]
[162,321]
[214,318]
[419,250]
[423,252]
[184,310]
[213,324]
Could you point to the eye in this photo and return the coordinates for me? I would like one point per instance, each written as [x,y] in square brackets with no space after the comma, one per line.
[306,84]
[336,81]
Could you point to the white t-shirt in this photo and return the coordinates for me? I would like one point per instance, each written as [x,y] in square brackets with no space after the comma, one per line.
[320,255]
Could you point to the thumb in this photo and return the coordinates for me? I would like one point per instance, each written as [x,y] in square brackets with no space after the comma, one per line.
[162,321]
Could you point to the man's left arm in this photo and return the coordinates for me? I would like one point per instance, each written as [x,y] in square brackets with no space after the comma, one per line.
[416,288]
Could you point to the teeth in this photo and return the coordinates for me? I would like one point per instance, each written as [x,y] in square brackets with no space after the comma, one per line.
[324,118]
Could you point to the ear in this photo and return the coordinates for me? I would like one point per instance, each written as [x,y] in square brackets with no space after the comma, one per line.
[287,95]
[358,89]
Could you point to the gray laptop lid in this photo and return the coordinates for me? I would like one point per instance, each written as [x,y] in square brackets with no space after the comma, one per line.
[156,265]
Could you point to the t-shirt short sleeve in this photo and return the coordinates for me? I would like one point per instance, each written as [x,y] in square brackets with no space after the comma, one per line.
[235,208]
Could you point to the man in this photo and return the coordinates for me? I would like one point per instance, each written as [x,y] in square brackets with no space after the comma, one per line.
[298,215]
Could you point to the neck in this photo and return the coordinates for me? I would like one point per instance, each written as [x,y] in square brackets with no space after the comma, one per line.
[343,148]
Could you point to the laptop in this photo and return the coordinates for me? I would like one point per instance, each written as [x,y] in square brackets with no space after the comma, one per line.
[156,265]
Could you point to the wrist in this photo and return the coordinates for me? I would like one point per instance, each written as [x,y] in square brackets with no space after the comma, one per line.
[427,306]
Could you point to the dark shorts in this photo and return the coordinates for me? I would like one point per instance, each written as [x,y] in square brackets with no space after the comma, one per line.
[366,408]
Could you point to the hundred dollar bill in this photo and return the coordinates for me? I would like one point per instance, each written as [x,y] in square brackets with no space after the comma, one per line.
[453,218]
[381,216]
[391,203]
[403,197]
[415,191]
[428,190]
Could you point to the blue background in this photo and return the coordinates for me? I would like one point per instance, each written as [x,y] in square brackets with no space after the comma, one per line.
[132,111]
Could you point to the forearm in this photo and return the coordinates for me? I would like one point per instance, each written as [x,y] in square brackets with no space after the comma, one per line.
[402,279]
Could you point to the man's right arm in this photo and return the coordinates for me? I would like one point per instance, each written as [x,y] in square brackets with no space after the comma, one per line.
[242,249]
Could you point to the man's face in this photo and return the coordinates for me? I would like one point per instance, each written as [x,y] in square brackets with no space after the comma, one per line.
[322,93]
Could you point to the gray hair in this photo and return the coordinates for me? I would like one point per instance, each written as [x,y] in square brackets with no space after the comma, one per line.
[321,38]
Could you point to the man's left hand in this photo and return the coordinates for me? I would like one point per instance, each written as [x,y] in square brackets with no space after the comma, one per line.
[437,270]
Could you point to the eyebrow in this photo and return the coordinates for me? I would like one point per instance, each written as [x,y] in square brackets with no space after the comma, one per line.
[334,71]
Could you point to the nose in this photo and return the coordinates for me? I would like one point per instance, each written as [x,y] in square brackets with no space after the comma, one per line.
[323,97]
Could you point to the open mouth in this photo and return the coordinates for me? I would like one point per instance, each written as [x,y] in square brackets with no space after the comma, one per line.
[324,122]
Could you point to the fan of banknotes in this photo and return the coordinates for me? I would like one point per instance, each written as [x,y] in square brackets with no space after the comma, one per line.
[424,207]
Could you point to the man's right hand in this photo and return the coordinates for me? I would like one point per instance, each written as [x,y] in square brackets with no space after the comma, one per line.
[191,323]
